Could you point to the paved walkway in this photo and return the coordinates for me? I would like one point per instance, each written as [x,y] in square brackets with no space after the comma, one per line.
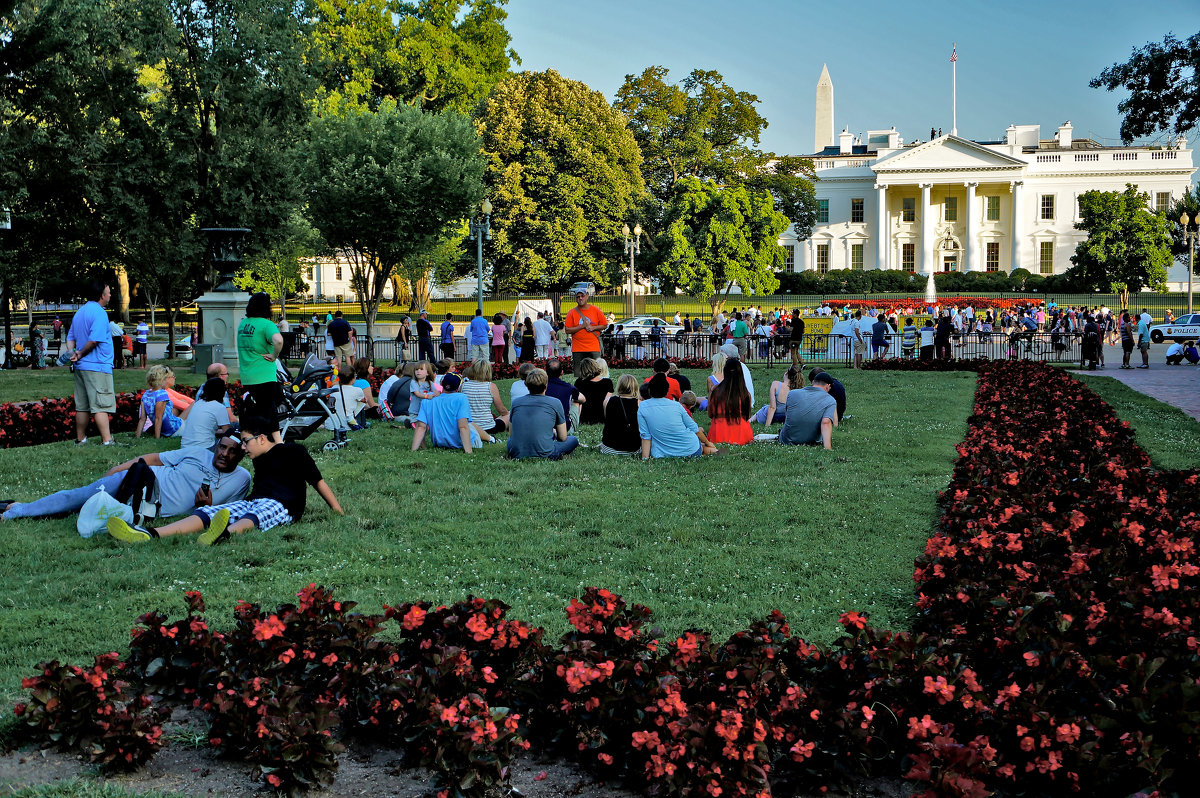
[1175,385]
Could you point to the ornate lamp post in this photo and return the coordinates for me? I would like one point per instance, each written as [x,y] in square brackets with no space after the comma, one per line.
[481,228]
[633,247]
[1189,235]
[5,227]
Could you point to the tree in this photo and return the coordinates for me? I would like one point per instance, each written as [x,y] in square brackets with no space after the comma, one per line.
[441,261]
[705,129]
[1189,203]
[385,185]
[277,270]
[1128,248]
[436,54]
[718,236]
[1163,81]
[563,175]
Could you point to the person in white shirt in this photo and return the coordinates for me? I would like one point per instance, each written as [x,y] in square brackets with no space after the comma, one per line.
[678,322]
[1175,354]
[283,324]
[348,404]
[543,333]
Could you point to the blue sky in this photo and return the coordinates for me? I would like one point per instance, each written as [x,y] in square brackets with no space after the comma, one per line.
[1018,62]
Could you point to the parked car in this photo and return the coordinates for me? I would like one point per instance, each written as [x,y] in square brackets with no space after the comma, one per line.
[1184,328]
[642,325]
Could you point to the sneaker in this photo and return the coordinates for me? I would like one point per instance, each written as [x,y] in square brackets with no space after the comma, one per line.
[81,443]
[125,533]
[109,442]
[218,529]
[1143,367]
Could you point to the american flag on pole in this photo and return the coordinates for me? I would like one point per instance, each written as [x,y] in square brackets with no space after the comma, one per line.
[954,54]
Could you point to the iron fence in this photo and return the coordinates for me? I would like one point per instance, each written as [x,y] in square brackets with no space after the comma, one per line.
[771,351]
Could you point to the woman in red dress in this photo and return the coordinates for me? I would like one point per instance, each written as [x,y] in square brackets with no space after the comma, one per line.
[729,407]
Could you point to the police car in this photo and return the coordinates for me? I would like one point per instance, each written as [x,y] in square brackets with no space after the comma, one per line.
[1184,328]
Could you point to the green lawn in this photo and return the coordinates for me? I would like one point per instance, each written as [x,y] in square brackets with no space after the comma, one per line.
[1170,436]
[20,385]
[710,543]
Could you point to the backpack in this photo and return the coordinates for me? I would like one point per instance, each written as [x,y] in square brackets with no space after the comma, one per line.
[138,489]
[398,397]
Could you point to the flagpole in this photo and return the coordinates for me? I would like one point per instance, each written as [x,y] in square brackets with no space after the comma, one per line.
[954,91]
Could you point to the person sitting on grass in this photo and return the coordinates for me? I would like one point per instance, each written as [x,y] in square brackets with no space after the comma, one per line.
[729,407]
[566,393]
[772,412]
[519,388]
[666,428]
[347,403]
[363,370]
[661,366]
[690,402]
[185,478]
[620,434]
[811,414]
[206,415]
[446,419]
[539,425]
[281,471]
[155,409]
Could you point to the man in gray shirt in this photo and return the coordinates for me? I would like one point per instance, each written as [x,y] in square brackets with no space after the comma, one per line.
[811,414]
[185,478]
[539,425]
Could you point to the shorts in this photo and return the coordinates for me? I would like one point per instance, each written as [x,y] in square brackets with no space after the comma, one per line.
[1144,346]
[344,351]
[498,425]
[1127,345]
[448,351]
[265,513]
[94,392]
[879,346]
[263,400]
[139,347]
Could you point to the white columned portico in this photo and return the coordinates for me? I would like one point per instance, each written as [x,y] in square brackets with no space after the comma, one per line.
[972,251]
[881,231]
[927,265]
[1015,186]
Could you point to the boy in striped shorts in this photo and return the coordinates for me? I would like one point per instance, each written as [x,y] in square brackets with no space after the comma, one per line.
[282,472]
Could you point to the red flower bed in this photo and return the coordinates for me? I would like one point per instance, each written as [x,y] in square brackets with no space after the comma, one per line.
[918,304]
[915,364]
[1055,651]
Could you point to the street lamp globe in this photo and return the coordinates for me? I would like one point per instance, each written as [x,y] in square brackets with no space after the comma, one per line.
[486,207]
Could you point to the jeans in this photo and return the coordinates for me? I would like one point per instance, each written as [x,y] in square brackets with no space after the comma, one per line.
[560,448]
[65,501]
[425,350]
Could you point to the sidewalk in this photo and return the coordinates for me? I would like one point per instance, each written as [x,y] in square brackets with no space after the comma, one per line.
[1176,385]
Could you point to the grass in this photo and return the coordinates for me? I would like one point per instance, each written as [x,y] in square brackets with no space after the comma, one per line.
[21,385]
[83,788]
[1170,436]
[710,543]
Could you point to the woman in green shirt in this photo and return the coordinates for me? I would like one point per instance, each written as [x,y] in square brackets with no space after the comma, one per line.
[259,343]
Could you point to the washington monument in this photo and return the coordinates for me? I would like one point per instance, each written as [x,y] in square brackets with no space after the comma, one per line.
[824,136]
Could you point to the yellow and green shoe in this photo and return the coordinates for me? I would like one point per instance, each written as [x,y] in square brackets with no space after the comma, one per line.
[218,529]
[119,530]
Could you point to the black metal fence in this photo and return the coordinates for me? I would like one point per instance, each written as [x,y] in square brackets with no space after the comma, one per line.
[816,348]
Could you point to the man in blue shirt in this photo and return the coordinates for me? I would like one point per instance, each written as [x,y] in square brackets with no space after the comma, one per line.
[93,361]
[447,341]
[479,336]
[666,428]
[141,341]
[447,419]
[539,426]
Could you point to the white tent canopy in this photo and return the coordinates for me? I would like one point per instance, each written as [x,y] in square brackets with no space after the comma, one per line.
[532,307]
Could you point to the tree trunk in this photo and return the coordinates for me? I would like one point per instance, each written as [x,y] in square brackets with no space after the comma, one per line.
[122,293]
[170,326]
[152,300]
[555,298]
[399,290]
[420,288]
[30,298]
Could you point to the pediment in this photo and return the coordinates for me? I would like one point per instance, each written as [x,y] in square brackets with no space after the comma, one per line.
[947,154]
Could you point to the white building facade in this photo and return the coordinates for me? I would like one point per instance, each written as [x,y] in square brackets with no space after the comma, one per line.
[951,204]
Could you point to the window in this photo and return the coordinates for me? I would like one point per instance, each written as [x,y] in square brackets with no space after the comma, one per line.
[951,207]
[1047,207]
[822,258]
[789,258]
[822,211]
[1162,201]
[909,214]
[856,210]
[1047,257]
[338,272]
[908,257]
[993,209]
[856,256]
[993,256]
[309,272]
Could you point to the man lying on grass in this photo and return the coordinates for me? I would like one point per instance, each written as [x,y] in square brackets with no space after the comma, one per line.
[278,497]
[185,478]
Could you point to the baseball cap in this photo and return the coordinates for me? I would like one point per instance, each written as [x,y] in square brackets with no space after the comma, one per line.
[450,382]
[729,350]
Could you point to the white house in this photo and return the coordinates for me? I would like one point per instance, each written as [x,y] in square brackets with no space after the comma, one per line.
[952,204]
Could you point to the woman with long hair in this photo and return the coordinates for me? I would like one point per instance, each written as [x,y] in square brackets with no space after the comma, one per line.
[621,434]
[528,342]
[773,411]
[729,407]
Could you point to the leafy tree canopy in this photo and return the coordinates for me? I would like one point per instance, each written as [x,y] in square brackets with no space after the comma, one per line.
[1189,203]
[384,186]
[1163,81]
[719,235]
[436,54]
[563,175]
[1127,245]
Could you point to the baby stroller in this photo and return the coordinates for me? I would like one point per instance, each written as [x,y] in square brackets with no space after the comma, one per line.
[303,408]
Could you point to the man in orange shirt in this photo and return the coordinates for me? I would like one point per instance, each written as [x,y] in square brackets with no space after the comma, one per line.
[584,323]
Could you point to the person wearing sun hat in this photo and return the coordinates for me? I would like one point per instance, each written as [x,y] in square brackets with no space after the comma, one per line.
[585,322]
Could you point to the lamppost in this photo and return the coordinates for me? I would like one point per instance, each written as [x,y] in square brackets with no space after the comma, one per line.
[5,227]
[633,247]
[481,228]
[1190,237]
